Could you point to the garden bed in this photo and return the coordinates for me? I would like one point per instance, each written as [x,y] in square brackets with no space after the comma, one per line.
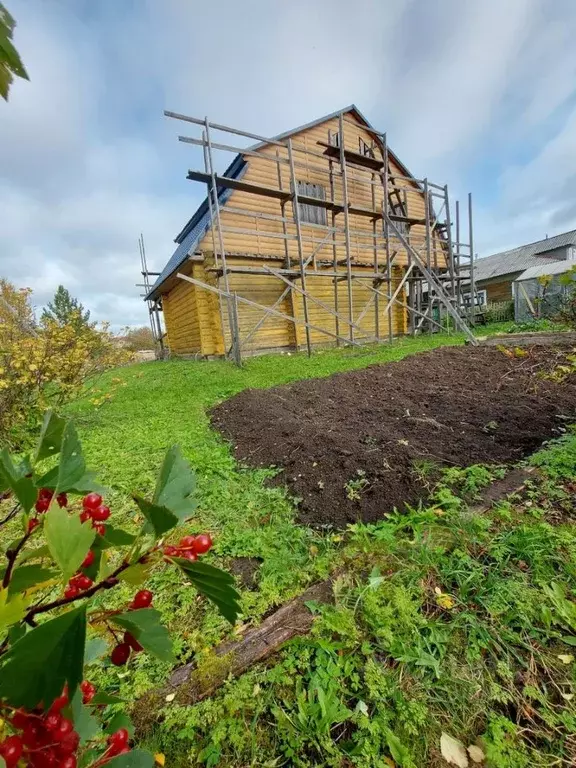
[355,446]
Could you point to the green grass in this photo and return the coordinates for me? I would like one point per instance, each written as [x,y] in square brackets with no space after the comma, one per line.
[391,665]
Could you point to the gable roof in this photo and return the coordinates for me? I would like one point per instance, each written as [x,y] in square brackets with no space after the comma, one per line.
[518,259]
[193,232]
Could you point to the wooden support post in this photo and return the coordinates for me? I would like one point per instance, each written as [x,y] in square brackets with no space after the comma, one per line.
[346,223]
[374,235]
[296,212]
[385,213]
[472,275]
[334,252]
[213,189]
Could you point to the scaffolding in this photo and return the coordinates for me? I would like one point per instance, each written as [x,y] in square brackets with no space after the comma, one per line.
[437,273]
[154,306]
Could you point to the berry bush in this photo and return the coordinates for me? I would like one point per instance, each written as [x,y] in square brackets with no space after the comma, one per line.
[57,575]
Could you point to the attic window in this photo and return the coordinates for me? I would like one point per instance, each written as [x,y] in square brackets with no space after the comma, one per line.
[312,214]
[365,149]
[334,138]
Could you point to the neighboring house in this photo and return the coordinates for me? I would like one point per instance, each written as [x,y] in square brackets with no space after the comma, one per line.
[259,235]
[494,275]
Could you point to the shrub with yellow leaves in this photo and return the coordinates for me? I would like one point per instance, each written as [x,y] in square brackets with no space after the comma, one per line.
[44,364]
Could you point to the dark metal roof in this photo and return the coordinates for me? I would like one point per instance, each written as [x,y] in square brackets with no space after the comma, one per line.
[189,238]
[525,256]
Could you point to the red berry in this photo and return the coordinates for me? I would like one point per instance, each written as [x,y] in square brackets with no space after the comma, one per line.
[11,749]
[101,513]
[47,758]
[31,735]
[142,599]
[85,516]
[171,551]
[42,505]
[88,560]
[99,528]
[62,500]
[45,493]
[119,738]
[82,581]
[33,523]
[20,719]
[132,642]
[71,591]
[189,555]
[88,691]
[120,654]
[69,744]
[59,703]
[52,721]
[64,729]
[202,543]
[91,501]
[187,542]
[68,762]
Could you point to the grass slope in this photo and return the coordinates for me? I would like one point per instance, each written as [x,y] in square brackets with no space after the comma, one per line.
[395,662]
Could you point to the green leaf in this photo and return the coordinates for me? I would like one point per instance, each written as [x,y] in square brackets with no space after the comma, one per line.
[136,758]
[160,519]
[68,539]
[50,440]
[11,611]
[36,668]
[85,724]
[86,484]
[27,576]
[145,625]
[569,640]
[135,574]
[96,647]
[119,720]
[15,478]
[2,762]
[176,484]
[72,467]
[215,584]
[32,554]
[398,751]
[116,537]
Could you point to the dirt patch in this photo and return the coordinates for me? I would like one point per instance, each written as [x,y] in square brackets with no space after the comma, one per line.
[348,444]
[245,569]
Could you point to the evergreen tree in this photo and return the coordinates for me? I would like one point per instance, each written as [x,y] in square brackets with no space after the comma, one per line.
[65,309]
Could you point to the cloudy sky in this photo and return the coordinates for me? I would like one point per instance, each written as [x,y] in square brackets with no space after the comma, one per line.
[480,94]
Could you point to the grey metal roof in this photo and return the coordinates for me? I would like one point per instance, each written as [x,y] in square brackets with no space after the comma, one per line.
[190,237]
[555,268]
[523,257]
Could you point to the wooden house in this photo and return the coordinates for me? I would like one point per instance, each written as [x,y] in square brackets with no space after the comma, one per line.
[298,251]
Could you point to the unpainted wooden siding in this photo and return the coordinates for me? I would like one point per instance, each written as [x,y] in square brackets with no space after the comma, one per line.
[501,291]
[265,172]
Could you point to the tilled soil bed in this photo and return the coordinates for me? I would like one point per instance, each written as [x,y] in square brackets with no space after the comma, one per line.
[348,445]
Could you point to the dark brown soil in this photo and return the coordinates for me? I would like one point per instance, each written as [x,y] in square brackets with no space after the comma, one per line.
[245,569]
[348,444]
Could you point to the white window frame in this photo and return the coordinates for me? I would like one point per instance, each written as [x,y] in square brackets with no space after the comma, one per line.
[481,298]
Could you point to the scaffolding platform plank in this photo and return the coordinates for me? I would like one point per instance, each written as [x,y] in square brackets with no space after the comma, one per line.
[243,186]
[352,157]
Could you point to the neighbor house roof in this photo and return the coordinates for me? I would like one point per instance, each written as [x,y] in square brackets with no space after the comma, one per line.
[189,238]
[541,252]
[554,268]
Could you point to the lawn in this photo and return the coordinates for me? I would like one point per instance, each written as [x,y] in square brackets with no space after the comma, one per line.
[446,620]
